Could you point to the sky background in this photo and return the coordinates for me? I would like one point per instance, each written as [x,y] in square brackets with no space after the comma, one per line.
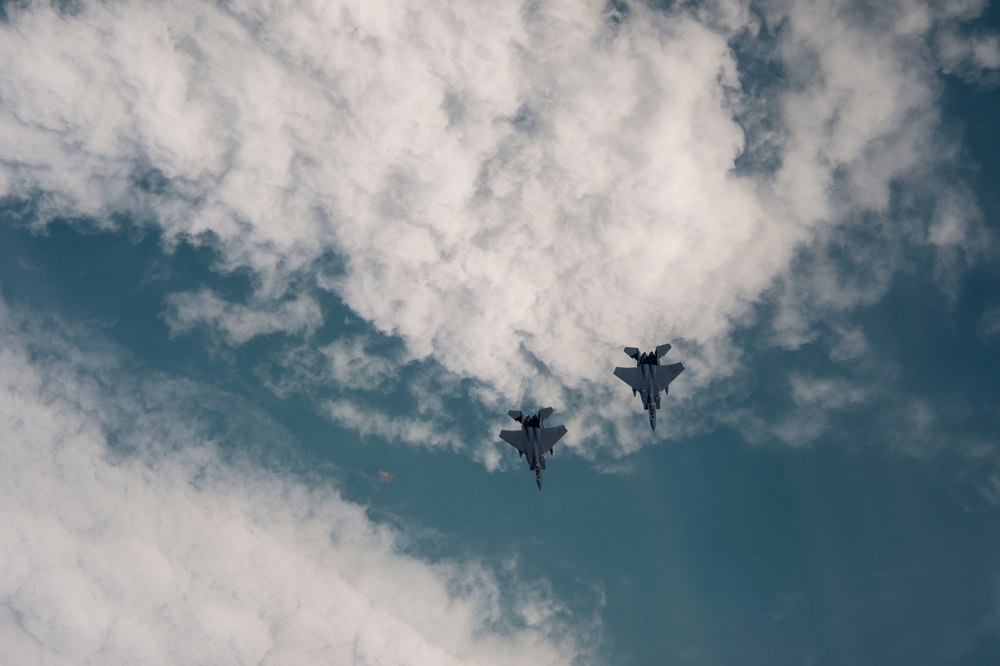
[272,274]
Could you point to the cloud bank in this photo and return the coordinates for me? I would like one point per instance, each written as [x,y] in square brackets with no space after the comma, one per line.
[137,530]
[516,191]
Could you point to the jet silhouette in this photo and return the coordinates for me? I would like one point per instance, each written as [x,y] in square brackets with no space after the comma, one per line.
[533,440]
[648,377]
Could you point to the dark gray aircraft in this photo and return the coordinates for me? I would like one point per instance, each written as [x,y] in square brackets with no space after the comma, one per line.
[532,439]
[648,377]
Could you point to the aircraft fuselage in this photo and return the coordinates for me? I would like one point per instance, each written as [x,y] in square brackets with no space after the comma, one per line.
[652,392]
[535,452]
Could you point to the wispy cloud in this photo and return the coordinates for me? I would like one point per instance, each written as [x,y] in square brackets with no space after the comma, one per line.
[346,364]
[239,323]
[974,55]
[816,402]
[369,421]
[989,323]
[851,343]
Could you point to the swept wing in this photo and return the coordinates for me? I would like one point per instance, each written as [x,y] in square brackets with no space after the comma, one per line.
[549,436]
[632,377]
[515,438]
[667,373]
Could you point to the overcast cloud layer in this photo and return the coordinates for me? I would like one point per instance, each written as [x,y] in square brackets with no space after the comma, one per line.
[169,546]
[515,190]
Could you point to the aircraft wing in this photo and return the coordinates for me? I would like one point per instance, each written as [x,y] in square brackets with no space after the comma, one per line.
[515,438]
[666,373]
[632,377]
[549,436]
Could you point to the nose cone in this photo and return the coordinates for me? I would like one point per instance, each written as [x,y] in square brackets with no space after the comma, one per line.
[538,478]
[652,420]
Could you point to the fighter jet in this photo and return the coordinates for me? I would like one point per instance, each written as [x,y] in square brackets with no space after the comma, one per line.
[532,439]
[648,378]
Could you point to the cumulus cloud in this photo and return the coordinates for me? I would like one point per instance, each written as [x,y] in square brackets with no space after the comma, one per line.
[513,190]
[133,531]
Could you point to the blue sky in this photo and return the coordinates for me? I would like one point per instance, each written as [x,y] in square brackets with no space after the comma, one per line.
[272,275]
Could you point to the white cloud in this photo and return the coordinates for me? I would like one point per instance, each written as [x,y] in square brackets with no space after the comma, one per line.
[514,190]
[165,547]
